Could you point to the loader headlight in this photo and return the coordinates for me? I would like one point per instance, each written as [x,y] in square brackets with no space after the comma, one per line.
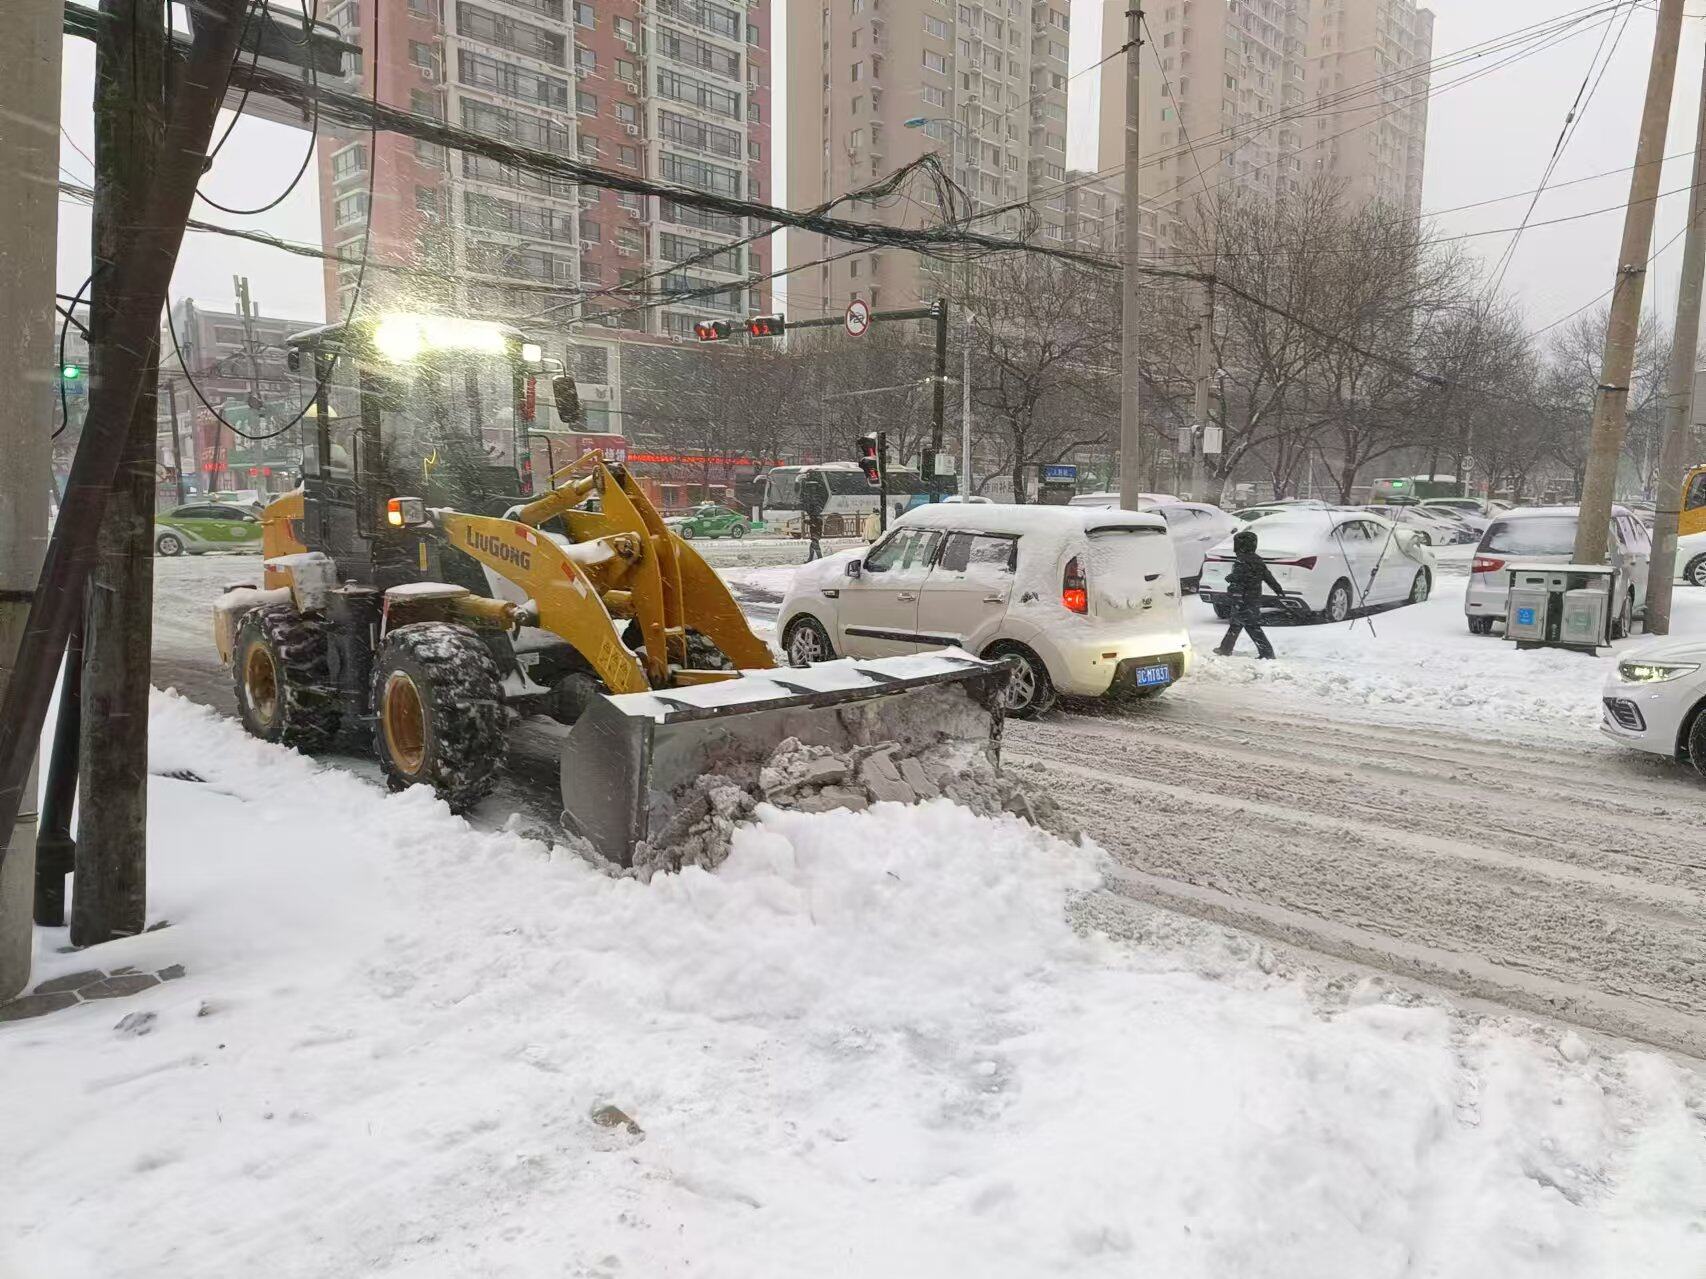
[1635,672]
[401,512]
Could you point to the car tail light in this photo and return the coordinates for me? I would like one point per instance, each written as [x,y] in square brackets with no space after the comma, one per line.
[1486,564]
[1073,593]
[1307,561]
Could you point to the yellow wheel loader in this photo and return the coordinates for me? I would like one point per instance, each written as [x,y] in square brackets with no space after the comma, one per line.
[418,597]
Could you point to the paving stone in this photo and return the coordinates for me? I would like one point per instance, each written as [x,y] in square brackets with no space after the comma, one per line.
[119,986]
[71,981]
[38,1005]
[170,973]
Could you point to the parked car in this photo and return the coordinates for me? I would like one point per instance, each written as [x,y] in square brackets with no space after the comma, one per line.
[1195,528]
[1655,700]
[205,526]
[1691,558]
[1111,501]
[1250,514]
[1547,535]
[1332,563]
[710,519]
[1081,601]
[1473,512]
[1441,527]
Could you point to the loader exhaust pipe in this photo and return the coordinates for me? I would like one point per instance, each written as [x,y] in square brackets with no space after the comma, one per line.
[631,758]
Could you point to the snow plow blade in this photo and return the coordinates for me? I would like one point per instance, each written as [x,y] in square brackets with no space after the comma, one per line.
[632,757]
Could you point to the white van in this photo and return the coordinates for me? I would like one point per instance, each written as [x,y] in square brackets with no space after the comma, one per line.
[1082,601]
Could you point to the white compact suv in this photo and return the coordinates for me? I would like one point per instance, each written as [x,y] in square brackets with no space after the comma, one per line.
[1655,700]
[1547,535]
[1081,600]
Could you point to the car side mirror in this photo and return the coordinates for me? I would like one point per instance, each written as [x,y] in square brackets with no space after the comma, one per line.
[855,568]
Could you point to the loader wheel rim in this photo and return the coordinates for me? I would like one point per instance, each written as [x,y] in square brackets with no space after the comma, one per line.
[260,683]
[404,722]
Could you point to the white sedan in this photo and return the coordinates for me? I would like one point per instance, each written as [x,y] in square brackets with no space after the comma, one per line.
[1195,529]
[1442,527]
[1655,700]
[1332,563]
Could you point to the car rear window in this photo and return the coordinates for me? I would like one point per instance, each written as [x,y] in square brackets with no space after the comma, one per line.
[1126,564]
[1541,535]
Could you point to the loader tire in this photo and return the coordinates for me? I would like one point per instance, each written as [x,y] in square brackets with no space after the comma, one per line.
[438,709]
[284,691]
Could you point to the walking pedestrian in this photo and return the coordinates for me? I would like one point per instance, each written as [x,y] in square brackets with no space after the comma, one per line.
[1244,595]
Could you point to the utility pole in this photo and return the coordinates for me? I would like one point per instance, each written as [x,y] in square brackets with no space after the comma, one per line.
[939,392]
[111,854]
[29,213]
[1679,397]
[1131,427]
[1611,398]
[1199,408]
[965,400]
[177,440]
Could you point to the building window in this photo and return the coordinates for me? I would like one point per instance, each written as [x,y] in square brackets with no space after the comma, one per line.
[753,114]
[423,8]
[628,113]
[936,97]
[584,16]
[586,103]
[752,34]
[698,93]
[934,61]
[588,146]
[625,28]
[857,72]
[425,104]
[426,203]
[754,150]
[590,232]
[500,77]
[510,33]
[424,56]
[853,269]
[628,156]
[630,242]
[349,162]
[347,210]
[699,135]
[626,70]
[935,27]
[586,61]
[856,140]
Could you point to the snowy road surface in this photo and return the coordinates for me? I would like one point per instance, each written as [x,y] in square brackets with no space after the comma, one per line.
[1412,798]
[870,1044]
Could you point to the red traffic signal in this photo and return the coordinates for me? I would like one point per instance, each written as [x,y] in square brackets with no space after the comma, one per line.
[766,326]
[870,459]
[711,330]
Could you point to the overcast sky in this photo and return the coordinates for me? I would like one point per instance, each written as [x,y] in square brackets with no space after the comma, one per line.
[1488,137]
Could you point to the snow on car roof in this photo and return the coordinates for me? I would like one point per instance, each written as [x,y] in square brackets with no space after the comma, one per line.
[1051,520]
[1526,512]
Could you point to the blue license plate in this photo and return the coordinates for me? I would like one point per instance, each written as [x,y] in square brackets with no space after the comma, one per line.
[1148,676]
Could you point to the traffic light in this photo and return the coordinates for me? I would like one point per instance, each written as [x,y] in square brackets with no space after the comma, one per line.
[926,463]
[711,330]
[766,326]
[871,459]
[71,372]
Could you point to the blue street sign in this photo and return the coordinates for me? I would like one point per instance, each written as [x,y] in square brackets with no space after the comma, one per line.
[1061,472]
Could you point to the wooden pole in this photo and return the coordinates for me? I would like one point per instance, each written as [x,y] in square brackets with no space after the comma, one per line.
[140,276]
[1611,398]
[1667,497]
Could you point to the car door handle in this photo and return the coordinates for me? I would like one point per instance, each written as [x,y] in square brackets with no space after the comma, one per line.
[906,597]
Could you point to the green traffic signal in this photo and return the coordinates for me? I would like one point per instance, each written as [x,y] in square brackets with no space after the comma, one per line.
[71,372]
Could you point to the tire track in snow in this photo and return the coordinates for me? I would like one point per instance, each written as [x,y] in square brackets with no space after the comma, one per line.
[1486,867]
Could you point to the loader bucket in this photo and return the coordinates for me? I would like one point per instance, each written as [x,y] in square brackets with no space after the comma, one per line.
[630,758]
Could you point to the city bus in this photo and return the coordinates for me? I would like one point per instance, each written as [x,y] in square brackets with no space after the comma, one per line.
[851,497]
[1414,488]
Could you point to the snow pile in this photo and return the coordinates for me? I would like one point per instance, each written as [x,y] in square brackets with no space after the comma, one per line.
[870,1044]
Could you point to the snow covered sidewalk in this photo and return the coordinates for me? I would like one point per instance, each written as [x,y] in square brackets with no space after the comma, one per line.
[870,1044]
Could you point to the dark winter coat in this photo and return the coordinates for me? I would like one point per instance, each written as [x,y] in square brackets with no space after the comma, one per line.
[1249,570]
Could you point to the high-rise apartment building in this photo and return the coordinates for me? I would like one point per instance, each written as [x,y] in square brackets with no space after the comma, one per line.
[1258,97]
[874,84]
[677,90]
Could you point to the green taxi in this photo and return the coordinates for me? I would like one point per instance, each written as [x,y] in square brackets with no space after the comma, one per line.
[710,519]
[206,526]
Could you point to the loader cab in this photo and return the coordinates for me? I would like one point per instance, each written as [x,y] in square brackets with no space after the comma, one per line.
[1693,517]
[434,407]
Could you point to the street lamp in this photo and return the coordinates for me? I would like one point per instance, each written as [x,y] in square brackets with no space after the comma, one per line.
[970,141]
